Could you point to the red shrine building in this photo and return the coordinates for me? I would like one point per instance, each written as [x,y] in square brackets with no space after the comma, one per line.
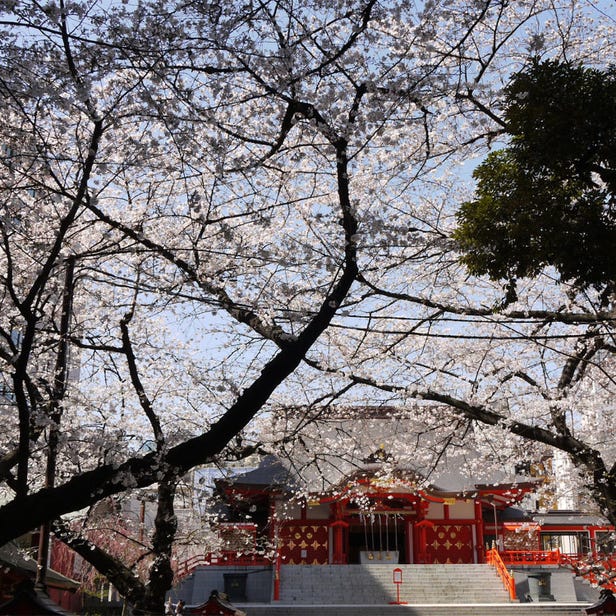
[397,519]
[368,519]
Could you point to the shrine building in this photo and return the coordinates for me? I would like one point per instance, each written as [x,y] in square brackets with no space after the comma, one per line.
[398,519]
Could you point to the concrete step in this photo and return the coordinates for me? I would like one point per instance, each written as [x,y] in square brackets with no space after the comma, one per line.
[529,609]
[366,584]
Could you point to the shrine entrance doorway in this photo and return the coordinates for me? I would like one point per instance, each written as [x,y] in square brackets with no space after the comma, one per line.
[378,538]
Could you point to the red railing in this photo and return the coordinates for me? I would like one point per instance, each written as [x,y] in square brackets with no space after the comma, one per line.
[226,558]
[598,570]
[531,557]
[494,558]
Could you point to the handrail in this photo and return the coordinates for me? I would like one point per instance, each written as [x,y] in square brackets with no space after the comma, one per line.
[531,557]
[599,570]
[493,558]
[229,558]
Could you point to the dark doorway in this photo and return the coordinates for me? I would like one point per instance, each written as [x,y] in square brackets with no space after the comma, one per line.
[379,537]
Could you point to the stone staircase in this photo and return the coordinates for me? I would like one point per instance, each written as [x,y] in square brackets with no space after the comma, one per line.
[368,590]
[370,584]
[430,590]
[442,609]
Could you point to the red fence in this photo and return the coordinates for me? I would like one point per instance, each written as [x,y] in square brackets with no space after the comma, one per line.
[598,570]
[494,559]
[228,559]
[531,557]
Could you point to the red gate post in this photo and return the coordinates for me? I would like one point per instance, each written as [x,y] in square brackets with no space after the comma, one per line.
[398,582]
[277,576]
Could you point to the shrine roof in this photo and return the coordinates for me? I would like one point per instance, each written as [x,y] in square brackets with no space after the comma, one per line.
[453,480]
[15,558]
[446,482]
[569,518]
[566,518]
[271,473]
[448,479]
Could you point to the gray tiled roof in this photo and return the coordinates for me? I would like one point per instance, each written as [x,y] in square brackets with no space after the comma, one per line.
[273,473]
[13,557]
[270,473]
[564,517]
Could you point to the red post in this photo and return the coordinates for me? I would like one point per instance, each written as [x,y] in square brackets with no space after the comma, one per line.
[398,582]
[339,556]
[480,551]
[277,578]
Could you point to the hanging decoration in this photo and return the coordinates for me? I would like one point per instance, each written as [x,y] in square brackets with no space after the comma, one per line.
[396,532]
[364,519]
[387,552]
[371,553]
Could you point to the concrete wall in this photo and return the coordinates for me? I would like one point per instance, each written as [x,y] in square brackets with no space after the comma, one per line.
[197,588]
[560,583]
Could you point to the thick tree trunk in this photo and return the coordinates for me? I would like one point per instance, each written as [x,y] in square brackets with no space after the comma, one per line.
[160,574]
[116,572]
[148,598]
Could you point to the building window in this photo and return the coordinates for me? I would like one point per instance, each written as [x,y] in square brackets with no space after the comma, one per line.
[605,542]
[567,543]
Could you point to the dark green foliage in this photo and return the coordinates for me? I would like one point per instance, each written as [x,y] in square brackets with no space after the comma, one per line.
[548,199]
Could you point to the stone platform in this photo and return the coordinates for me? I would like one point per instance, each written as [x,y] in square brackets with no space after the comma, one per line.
[436,609]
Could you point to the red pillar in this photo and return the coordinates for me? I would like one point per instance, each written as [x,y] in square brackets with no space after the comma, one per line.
[422,524]
[339,556]
[277,579]
[479,548]
[422,540]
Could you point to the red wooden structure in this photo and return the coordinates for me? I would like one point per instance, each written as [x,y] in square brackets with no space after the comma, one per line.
[216,605]
[371,520]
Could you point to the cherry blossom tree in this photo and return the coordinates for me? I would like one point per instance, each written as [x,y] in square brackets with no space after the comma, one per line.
[527,364]
[110,174]
[210,212]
